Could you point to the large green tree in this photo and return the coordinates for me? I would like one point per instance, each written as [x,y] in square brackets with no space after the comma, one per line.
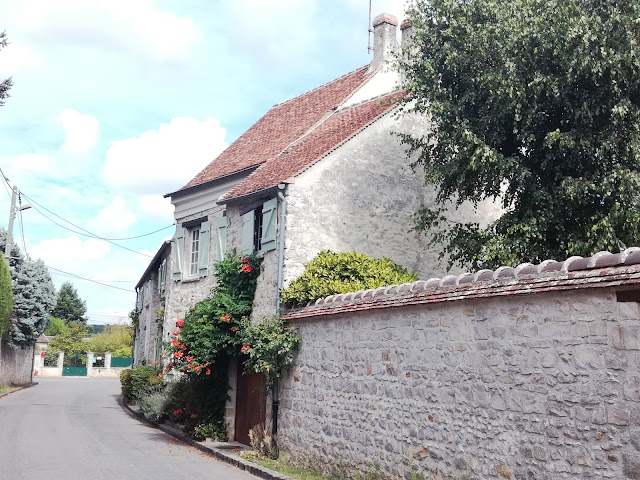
[33,299]
[6,297]
[535,103]
[69,306]
[5,84]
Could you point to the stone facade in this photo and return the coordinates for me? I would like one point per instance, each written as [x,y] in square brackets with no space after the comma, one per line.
[362,196]
[538,386]
[15,365]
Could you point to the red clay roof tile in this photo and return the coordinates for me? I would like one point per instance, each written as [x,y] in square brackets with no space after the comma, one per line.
[333,131]
[281,126]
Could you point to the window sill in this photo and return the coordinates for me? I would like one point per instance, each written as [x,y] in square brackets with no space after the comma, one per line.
[190,279]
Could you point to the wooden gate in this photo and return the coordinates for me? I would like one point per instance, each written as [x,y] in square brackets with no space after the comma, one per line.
[251,404]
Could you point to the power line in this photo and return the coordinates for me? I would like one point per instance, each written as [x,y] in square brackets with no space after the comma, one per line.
[88,233]
[89,279]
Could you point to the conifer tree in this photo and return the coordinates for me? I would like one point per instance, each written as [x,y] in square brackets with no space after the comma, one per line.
[33,299]
[69,306]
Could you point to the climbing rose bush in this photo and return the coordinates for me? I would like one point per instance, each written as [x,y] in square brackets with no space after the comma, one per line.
[211,330]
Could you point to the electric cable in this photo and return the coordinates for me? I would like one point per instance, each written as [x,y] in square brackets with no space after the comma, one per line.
[89,279]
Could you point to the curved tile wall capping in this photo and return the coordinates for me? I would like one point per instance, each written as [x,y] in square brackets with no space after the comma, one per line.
[600,270]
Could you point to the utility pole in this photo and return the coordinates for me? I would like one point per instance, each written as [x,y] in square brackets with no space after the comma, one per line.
[12,216]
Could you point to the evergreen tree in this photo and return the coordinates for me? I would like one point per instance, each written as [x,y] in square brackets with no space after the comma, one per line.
[16,254]
[69,306]
[535,103]
[33,299]
[5,84]
[6,297]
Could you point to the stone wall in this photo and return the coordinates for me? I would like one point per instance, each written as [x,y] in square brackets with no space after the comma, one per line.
[541,386]
[15,365]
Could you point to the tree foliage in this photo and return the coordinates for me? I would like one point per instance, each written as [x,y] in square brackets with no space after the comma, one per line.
[33,299]
[69,340]
[6,84]
[535,103]
[55,326]
[6,297]
[69,306]
[114,339]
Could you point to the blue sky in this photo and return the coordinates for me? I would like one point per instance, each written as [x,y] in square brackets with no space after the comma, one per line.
[118,102]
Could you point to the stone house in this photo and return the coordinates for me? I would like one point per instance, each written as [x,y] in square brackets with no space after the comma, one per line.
[150,298]
[323,170]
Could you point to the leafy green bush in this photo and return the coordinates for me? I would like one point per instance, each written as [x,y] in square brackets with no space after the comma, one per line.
[126,385]
[6,297]
[140,382]
[332,273]
[214,430]
[269,345]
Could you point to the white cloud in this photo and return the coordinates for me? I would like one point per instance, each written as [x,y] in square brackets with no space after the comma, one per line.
[159,161]
[155,208]
[113,220]
[69,252]
[16,58]
[122,25]
[81,131]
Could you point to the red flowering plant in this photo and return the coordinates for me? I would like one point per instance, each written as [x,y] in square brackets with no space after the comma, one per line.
[210,330]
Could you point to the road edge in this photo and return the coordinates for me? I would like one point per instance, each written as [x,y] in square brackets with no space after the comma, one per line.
[219,453]
[18,388]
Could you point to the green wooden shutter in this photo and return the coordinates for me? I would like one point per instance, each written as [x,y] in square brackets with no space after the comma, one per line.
[178,253]
[269,215]
[221,238]
[247,233]
[203,249]
[162,277]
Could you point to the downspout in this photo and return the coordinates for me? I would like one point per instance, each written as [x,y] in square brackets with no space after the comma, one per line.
[275,399]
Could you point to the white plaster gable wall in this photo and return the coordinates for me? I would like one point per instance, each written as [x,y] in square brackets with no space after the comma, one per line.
[381,83]
[362,197]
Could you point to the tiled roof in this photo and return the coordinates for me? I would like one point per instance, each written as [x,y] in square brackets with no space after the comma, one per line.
[281,126]
[327,136]
[604,269]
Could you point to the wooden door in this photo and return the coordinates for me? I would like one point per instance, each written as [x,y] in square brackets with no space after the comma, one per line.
[251,401]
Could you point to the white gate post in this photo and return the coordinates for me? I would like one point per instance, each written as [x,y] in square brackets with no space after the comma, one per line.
[89,363]
[60,363]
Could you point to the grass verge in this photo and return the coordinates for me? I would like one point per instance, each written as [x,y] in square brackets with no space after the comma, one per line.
[283,467]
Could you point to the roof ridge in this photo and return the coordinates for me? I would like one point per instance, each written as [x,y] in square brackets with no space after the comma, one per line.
[322,86]
[524,271]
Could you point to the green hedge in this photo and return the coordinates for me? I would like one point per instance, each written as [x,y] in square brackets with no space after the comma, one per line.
[139,382]
[332,273]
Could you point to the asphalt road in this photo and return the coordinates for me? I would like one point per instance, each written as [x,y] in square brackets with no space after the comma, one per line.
[73,428]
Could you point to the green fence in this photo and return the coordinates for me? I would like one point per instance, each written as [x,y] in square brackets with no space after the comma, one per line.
[120,362]
[74,371]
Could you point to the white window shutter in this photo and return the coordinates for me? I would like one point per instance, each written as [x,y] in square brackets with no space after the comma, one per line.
[178,253]
[162,277]
[203,252]
[269,215]
[160,280]
[221,238]
[247,233]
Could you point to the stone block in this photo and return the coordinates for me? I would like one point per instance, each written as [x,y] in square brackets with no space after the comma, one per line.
[624,337]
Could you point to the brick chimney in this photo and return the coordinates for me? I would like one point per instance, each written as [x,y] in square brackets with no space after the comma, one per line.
[384,41]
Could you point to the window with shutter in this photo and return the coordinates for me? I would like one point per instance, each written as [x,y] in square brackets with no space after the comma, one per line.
[194,235]
[248,220]
[259,228]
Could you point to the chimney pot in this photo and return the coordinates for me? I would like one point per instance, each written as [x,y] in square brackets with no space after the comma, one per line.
[384,41]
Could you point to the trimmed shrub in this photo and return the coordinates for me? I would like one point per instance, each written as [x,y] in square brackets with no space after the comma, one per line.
[140,382]
[126,385]
[331,273]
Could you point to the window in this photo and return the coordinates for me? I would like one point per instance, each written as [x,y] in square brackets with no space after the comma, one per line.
[195,248]
[259,227]
[190,250]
